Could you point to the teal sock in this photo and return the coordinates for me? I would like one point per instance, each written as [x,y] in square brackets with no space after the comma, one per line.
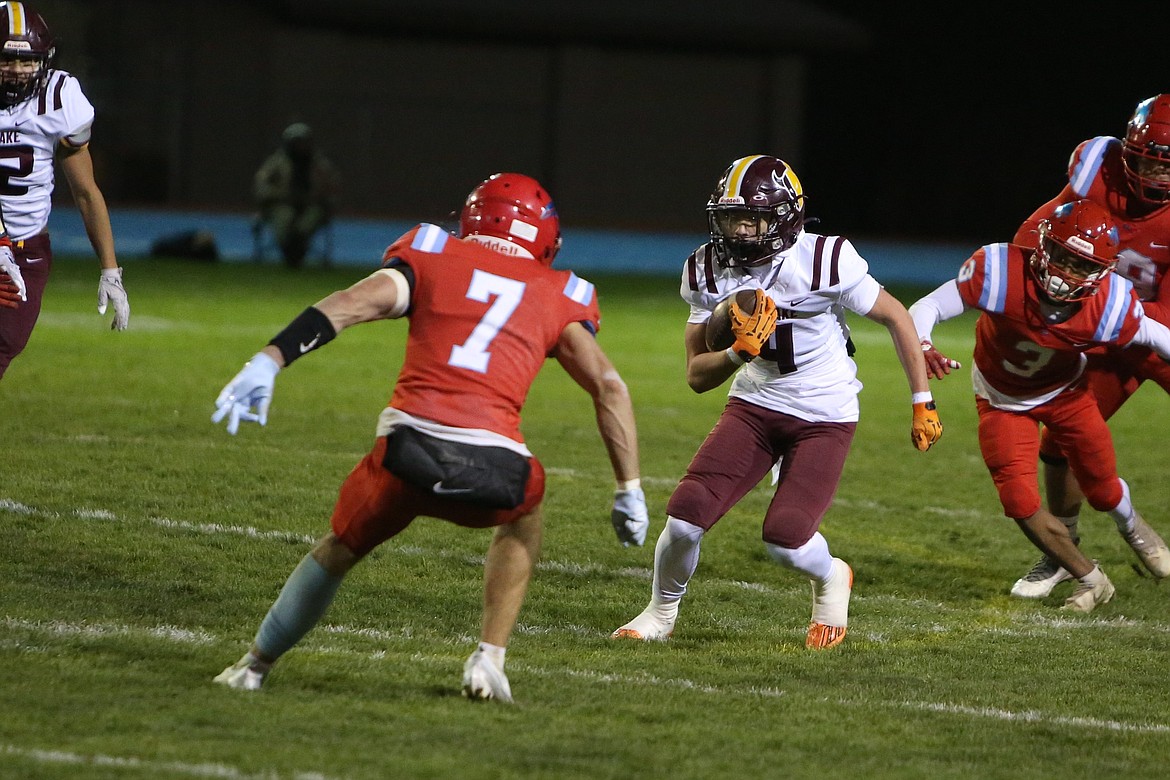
[302,602]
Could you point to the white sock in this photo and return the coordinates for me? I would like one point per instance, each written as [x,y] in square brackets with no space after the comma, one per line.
[811,559]
[494,653]
[676,556]
[1123,514]
[1094,577]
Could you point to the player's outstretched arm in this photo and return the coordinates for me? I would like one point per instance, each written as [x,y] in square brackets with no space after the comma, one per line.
[925,428]
[941,304]
[246,398]
[580,355]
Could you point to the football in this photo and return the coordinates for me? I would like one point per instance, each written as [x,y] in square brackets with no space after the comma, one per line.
[719,335]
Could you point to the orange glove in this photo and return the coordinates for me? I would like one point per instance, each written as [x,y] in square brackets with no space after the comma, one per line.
[926,428]
[752,330]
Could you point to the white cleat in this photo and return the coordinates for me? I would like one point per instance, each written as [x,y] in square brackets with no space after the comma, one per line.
[1150,548]
[830,609]
[649,626]
[483,680]
[1045,575]
[1088,597]
[246,674]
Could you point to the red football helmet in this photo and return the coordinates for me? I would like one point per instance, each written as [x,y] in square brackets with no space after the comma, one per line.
[513,214]
[26,37]
[1077,246]
[1146,154]
[756,211]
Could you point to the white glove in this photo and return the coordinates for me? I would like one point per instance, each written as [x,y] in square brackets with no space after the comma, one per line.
[110,289]
[629,516]
[250,389]
[8,265]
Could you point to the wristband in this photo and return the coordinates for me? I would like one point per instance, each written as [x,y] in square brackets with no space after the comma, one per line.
[311,329]
[921,398]
[734,357]
[629,484]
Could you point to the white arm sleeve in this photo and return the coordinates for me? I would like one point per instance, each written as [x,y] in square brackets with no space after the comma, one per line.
[942,304]
[1154,335]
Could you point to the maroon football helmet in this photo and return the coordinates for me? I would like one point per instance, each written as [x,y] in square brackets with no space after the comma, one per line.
[756,211]
[26,37]
[1146,153]
[1077,247]
[512,213]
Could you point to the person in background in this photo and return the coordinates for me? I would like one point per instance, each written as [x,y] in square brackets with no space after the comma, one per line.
[1130,178]
[485,310]
[45,122]
[296,191]
[793,402]
[1042,310]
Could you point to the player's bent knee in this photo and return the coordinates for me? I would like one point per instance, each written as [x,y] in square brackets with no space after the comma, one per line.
[1019,502]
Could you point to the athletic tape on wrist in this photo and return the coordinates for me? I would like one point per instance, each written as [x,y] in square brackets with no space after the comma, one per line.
[310,330]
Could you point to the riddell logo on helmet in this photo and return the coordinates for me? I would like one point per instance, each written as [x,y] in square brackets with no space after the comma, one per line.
[500,245]
[730,199]
[17,46]
[1080,244]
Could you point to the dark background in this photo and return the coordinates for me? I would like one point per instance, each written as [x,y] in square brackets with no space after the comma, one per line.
[958,120]
[928,122]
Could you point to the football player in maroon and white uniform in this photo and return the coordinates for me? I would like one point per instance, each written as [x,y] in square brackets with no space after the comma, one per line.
[1042,310]
[1131,178]
[485,311]
[45,120]
[793,403]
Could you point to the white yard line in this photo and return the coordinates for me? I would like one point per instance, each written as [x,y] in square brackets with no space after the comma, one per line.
[50,629]
[154,768]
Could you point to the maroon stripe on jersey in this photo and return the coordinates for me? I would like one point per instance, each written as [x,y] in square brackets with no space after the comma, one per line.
[709,269]
[57,103]
[693,272]
[818,253]
[41,98]
[835,263]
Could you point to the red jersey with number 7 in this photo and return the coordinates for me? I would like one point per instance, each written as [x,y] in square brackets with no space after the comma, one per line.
[482,324]
[1020,351]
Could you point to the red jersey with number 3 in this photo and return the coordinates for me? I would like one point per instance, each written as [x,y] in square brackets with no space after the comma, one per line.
[1017,351]
[482,324]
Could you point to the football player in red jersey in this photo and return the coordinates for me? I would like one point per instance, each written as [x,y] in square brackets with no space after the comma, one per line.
[1043,309]
[45,121]
[485,310]
[1131,178]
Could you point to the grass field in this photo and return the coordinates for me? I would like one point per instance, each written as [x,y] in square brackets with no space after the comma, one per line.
[143,545]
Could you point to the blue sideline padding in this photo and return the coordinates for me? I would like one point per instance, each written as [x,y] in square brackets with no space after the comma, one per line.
[360,242]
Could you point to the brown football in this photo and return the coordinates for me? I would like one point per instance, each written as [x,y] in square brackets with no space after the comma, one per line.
[719,335]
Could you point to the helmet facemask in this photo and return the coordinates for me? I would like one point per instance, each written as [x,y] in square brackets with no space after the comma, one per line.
[746,237]
[1146,151]
[1076,249]
[19,81]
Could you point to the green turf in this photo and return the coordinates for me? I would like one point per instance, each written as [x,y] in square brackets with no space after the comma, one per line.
[143,545]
